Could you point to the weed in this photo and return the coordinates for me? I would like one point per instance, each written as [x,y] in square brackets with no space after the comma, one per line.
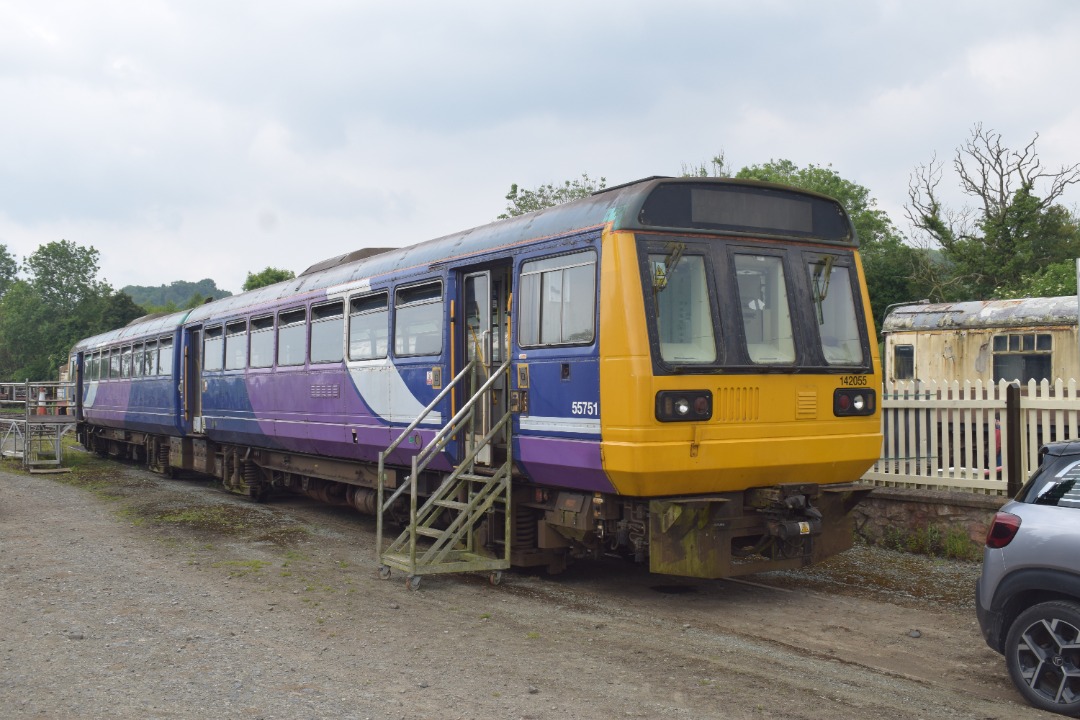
[532,635]
[239,568]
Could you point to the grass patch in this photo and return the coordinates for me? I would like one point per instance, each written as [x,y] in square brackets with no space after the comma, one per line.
[952,543]
[240,568]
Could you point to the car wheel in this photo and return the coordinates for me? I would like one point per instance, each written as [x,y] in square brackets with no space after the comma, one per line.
[1042,653]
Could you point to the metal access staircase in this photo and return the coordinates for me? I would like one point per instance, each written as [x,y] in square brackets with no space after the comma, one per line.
[441,536]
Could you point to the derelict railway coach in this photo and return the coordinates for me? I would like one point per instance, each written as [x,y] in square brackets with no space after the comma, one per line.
[680,371]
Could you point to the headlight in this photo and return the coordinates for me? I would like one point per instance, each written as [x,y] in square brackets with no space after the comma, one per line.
[854,402]
[684,405]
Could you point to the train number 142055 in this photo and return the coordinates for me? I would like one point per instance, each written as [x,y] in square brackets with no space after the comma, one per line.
[853,381]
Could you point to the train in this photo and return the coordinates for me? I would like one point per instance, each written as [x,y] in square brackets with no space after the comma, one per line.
[679,371]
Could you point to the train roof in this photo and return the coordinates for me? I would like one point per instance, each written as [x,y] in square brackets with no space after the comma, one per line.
[1022,312]
[657,204]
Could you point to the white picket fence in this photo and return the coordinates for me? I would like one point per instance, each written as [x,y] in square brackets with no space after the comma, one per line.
[953,436]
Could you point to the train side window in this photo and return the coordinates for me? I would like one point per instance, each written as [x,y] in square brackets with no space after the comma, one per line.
[114,363]
[1023,357]
[165,358]
[834,309]
[418,320]
[137,360]
[125,362]
[236,336]
[368,326]
[903,362]
[328,332]
[558,300]
[765,312]
[262,341]
[684,317]
[213,348]
[292,336]
[150,359]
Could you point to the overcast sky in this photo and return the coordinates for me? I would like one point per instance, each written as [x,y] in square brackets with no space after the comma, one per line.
[191,139]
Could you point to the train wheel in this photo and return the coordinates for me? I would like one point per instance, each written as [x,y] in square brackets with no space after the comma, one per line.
[412,582]
[384,572]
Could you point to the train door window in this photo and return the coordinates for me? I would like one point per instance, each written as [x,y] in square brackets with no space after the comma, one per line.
[558,300]
[236,336]
[328,332]
[165,358]
[765,312]
[292,337]
[150,359]
[834,310]
[262,342]
[114,363]
[683,308]
[125,362]
[1023,357]
[213,348]
[418,320]
[903,362]
[368,317]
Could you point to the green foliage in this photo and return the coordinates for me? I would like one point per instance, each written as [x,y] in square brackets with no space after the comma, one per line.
[952,543]
[174,296]
[527,201]
[9,268]
[267,276]
[60,302]
[1053,280]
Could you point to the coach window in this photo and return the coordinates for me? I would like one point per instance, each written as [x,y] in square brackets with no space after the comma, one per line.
[328,332]
[765,312]
[292,332]
[903,362]
[137,360]
[213,346]
[1023,356]
[165,359]
[834,310]
[125,362]
[236,345]
[368,326]
[558,300]
[262,341]
[684,317]
[150,359]
[114,363]
[418,320]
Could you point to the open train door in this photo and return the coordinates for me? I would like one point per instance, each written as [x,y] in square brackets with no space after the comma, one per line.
[482,336]
[191,379]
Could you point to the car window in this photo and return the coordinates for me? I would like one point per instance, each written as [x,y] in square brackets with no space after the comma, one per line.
[1055,485]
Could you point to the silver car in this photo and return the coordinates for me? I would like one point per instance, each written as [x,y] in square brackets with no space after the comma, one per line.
[1028,596]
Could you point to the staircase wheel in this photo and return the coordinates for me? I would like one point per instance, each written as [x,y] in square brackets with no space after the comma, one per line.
[384,572]
[495,577]
[412,582]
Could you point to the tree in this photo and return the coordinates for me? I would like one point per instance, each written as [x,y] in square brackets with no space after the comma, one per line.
[268,276]
[527,201]
[891,266]
[9,268]
[65,273]
[1016,231]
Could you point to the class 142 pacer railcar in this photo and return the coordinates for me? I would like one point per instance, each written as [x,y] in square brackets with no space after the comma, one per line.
[679,371]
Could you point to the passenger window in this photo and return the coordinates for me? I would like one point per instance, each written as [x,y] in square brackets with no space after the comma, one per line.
[114,363]
[165,359]
[903,362]
[125,362]
[328,333]
[137,360]
[368,327]
[684,317]
[262,341]
[213,348]
[558,300]
[236,345]
[418,320]
[834,309]
[765,312]
[150,359]
[292,336]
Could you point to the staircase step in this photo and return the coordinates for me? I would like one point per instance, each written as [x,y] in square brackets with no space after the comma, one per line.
[429,532]
[454,504]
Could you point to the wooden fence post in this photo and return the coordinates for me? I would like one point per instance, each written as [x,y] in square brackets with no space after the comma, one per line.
[1015,468]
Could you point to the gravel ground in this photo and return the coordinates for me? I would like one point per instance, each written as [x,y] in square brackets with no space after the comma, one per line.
[127,595]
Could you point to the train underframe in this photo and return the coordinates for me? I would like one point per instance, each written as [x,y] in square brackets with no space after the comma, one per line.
[784,526]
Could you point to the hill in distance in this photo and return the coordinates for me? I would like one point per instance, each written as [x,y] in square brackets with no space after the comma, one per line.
[178,292]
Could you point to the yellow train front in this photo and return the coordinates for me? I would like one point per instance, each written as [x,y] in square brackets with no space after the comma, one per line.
[737,386]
